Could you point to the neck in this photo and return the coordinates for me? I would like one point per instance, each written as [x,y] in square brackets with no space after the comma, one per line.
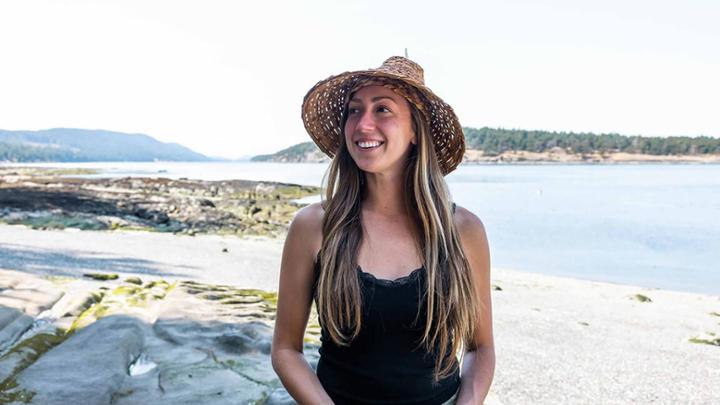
[385,194]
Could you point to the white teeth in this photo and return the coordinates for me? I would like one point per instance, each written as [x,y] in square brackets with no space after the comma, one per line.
[369,144]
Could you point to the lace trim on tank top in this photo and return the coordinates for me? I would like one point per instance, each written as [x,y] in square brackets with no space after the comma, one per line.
[404,280]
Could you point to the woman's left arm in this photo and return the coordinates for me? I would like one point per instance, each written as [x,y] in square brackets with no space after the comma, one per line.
[478,365]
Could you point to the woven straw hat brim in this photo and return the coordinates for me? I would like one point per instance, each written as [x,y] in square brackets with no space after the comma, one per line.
[324,105]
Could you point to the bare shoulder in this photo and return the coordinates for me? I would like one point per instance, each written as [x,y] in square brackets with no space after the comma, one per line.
[306,228]
[469,225]
[473,240]
[301,245]
[310,216]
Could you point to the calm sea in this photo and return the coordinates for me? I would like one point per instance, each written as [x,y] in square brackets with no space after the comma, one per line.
[649,225]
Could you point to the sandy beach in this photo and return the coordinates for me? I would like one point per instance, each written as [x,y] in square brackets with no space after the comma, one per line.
[243,262]
[558,340]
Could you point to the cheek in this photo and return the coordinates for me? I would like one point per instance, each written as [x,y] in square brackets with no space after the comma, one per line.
[347,127]
[402,131]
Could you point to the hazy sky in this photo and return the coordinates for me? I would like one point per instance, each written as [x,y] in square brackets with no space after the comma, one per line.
[227,78]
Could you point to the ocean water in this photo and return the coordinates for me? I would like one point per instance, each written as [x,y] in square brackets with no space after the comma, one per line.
[656,225]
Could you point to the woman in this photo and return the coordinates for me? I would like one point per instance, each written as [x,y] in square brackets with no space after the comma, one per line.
[390,334]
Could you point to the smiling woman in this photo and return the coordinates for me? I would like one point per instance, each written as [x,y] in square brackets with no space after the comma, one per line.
[379,122]
[399,274]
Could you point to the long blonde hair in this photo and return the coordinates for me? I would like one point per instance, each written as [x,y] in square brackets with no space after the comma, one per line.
[452,305]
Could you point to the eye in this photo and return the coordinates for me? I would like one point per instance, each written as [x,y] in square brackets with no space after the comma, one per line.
[382,108]
[352,110]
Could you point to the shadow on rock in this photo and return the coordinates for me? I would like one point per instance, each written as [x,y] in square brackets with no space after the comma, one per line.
[64,263]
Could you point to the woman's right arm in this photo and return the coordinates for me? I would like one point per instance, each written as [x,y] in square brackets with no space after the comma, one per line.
[293,308]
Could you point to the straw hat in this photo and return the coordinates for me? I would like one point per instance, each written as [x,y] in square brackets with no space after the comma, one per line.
[325,103]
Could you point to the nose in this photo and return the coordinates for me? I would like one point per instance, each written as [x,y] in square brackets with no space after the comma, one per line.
[365,123]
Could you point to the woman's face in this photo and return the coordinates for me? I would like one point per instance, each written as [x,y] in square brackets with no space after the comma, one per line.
[378,130]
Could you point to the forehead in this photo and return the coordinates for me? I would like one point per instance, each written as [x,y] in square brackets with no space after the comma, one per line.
[368,93]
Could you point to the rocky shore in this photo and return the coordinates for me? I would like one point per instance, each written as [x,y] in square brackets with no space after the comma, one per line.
[105,339]
[51,199]
[174,308]
[123,339]
[69,332]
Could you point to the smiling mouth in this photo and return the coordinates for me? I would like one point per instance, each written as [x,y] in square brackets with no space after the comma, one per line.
[369,145]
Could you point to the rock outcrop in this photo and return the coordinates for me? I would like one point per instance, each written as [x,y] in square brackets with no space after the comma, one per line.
[138,342]
[43,199]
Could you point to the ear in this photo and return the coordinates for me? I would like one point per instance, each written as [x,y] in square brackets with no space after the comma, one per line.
[414,140]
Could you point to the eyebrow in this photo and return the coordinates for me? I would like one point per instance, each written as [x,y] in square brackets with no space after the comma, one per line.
[374,99]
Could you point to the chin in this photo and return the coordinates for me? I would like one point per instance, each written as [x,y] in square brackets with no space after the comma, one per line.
[375,169]
[369,168]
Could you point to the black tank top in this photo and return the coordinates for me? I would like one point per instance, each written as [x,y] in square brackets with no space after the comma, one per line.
[384,364]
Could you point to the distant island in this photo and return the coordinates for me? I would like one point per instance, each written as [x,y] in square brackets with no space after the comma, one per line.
[84,145]
[497,145]
[306,152]
[484,145]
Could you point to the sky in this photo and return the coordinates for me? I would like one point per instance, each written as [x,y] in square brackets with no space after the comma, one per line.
[227,78]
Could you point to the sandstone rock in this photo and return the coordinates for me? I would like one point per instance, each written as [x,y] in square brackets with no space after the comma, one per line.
[151,343]
[204,353]
[13,323]
[89,366]
[246,338]
[31,295]
[8,316]
[21,356]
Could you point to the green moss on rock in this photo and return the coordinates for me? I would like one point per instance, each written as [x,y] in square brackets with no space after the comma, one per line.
[59,280]
[9,394]
[134,280]
[62,222]
[270,297]
[101,276]
[120,298]
[127,290]
[708,338]
[29,351]
[641,298]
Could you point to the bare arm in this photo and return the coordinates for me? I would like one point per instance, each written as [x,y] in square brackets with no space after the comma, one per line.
[479,363]
[293,309]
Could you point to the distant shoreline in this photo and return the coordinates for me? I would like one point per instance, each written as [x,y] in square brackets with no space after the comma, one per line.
[475,157]
[552,156]
[555,156]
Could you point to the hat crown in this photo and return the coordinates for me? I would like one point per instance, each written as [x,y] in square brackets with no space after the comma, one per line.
[404,67]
